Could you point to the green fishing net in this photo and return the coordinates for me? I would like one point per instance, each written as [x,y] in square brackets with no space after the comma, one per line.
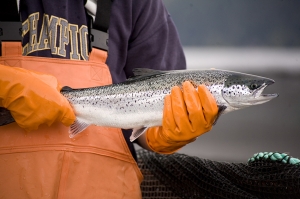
[179,176]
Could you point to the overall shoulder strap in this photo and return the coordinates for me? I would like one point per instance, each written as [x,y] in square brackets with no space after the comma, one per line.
[10,24]
[103,15]
[9,11]
[99,29]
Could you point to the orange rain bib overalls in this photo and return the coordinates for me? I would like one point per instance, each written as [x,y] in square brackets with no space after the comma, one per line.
[46,163]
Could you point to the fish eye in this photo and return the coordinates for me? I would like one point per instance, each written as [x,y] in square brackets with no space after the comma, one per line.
[253,86]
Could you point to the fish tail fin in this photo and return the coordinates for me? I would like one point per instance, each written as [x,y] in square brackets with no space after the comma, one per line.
[5,117]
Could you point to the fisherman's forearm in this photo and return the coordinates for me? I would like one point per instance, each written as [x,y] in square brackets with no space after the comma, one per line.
[142,142]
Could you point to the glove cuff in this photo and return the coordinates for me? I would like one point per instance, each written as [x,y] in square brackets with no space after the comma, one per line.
[159,144]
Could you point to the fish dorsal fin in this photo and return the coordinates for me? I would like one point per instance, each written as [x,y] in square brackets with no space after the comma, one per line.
[77,127]
[145,72]
[66,88]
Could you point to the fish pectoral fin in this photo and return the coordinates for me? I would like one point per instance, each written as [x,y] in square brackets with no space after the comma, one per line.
[137,132]
[77,127]
[220,111]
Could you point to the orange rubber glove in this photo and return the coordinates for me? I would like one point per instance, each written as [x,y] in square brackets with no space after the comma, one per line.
[187,114]
[33,98]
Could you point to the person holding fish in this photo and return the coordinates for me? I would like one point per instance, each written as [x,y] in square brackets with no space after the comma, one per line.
[38,158]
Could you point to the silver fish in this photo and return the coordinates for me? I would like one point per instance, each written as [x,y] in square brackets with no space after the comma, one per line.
[138,102]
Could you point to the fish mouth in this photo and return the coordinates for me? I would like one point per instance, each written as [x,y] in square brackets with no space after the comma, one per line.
[265,98]
[259,97]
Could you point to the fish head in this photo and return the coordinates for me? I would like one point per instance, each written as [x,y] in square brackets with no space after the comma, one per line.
[242,90]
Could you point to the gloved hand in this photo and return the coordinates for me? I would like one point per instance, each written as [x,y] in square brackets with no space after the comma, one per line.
[33,98]
[187,114]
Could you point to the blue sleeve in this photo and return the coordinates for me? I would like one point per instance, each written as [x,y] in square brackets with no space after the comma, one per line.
[142,35]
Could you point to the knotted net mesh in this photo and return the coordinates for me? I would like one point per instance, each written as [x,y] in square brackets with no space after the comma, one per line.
[180,176]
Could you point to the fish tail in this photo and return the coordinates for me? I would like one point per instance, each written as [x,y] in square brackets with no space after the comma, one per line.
[5,117]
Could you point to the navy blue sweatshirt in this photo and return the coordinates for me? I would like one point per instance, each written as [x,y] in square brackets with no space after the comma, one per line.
[141,35]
